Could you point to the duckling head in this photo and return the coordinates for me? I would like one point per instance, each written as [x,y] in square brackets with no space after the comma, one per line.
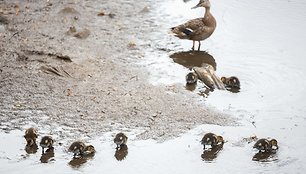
[223,79]
[120,139]
[220,139]
[273,142]
[202,3]
[191,78]
[77,148]
[90,149]
[234,82]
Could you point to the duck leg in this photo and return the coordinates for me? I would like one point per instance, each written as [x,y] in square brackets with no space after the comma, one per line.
[193,45]
[199,46]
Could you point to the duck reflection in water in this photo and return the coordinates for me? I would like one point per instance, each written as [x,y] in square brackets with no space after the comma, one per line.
[212,153]
[47,155]
[190,59]
[121,152]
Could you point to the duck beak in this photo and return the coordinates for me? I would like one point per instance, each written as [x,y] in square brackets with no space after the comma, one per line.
[198,5]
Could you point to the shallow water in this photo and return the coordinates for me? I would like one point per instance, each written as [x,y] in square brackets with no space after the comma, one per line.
[261,42]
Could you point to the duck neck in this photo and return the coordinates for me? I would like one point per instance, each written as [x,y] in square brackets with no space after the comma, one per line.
[207,12]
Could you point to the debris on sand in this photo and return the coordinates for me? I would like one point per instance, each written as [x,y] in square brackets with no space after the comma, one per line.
[83,34]
[69,11]
[57,55]
[71,30]
[54,70]
[101,13]
[3,19]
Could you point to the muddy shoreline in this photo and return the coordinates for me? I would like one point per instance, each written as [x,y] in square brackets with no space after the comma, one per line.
[70,84]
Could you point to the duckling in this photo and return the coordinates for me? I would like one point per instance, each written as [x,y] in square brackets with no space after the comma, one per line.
[212,140]
[30,136]
[120,139]
[46,142]
[231,82]
[191,78]
[197,29]
[77,148]
[89,150]
[264,145]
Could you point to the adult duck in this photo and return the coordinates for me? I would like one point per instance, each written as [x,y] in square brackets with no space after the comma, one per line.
[197,29]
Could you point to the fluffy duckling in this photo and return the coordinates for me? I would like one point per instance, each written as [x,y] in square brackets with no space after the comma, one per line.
[77,148]
[264,145]
[231,82]
[212,140]
[46,142]
[120,139]
[30,136]
[191,78]
[89,150]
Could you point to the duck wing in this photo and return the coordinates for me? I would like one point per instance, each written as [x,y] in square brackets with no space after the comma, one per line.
[190,28]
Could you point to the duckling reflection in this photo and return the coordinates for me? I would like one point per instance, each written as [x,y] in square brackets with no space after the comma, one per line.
[31,149]
[190,59]
[191,87]
[264,157]
[121,152]
[77,162]
[211,154]
[48,155]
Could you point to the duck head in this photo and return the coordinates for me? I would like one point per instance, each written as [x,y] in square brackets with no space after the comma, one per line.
[202,3]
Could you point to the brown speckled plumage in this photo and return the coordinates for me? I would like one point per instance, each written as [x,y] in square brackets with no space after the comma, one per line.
[197,29]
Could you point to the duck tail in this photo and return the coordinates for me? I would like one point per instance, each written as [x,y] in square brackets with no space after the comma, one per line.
[182,33]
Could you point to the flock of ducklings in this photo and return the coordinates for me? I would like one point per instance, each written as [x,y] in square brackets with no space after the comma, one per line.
[79,149]
[229,82]
[265,147]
